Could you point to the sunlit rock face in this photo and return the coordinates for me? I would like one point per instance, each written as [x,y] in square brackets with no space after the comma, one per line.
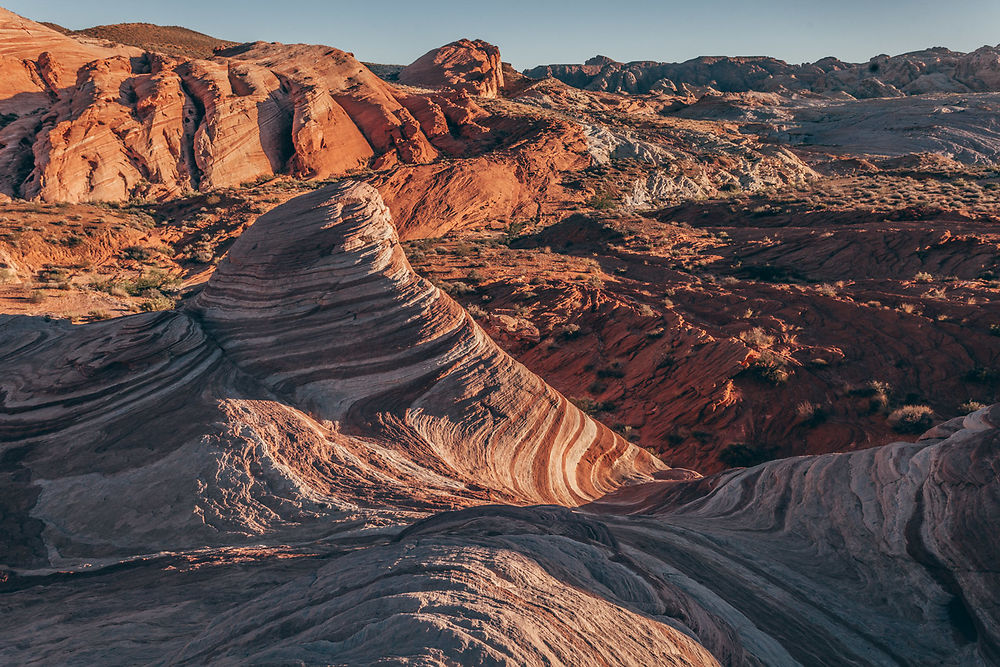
[469,66]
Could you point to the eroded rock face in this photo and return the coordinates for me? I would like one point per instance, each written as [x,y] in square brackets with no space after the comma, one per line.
[469,66]
[24,40]
[86,123]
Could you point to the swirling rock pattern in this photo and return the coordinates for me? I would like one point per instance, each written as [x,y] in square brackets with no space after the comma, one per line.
[318,378]
[318,302]
[877,557]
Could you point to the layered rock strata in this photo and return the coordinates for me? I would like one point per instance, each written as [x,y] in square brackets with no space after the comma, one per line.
[469,66]
[317,377]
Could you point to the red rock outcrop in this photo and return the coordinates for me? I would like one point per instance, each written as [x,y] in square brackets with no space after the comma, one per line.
[467,65]
[24,40]
[84,124]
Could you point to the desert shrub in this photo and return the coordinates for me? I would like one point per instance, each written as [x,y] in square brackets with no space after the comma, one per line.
[137,253]
[157,303]
[770,367]
[569,331]
[810,413]
[827,290]
[877,390]
[970,406]
[458,288]
[646,311]
[756,338]
[513,231]
[99,315]
[740,455]
[911,419]
[7,275]
[36,296]
[590,406]
[201,256]
[615,370]
[923,277]
[141,286]
[603,201]
[476,311]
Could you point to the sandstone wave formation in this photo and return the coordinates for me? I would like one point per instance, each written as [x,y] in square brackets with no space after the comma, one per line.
[323,450]
[328,363]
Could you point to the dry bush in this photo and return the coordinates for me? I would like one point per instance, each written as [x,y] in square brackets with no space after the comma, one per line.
[911,419]
[756,338]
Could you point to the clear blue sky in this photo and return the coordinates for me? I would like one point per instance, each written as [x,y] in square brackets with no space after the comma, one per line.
[541,32]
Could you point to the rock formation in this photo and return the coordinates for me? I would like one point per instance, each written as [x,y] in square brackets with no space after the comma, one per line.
[319,448]
[384,388]
[88,123]
[935,70]
[253,479]
[469,66]
[22,39]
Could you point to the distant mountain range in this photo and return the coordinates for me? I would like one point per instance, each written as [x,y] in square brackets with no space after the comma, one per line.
[935,70]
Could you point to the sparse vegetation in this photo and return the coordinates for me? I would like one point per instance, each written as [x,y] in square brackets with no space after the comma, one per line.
[911,419]
[740,455]
[603,201]
[810,414]
[756,338]
[770,368]
[590,406]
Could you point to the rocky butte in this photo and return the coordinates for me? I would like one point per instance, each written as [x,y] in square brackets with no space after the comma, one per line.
[635,364]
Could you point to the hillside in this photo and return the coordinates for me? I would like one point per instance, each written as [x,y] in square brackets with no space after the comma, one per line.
[170,39]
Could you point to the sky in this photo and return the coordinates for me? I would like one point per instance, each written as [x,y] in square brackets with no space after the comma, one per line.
[537,32]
